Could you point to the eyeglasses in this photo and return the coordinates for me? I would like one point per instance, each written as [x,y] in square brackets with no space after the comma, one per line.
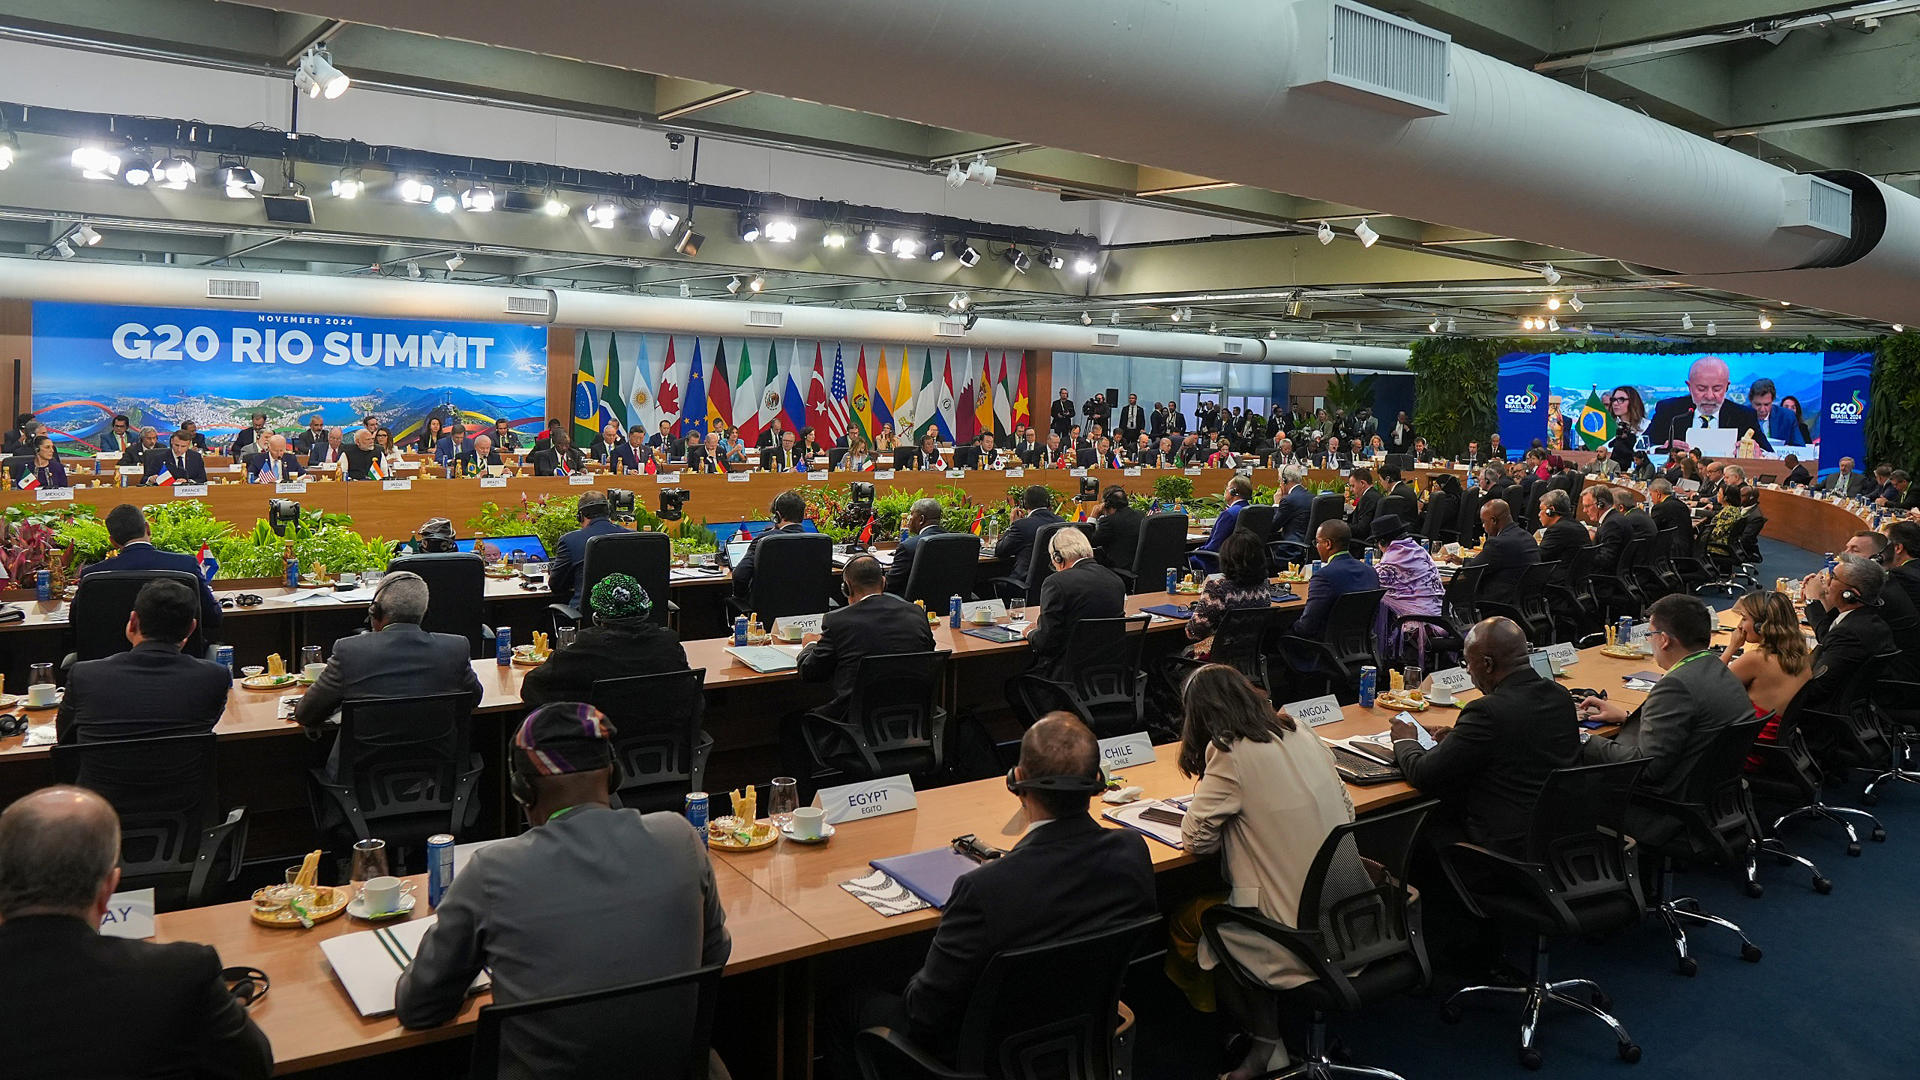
[246,984]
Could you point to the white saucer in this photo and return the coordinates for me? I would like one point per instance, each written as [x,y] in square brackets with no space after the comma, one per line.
[357,907]
[826,834]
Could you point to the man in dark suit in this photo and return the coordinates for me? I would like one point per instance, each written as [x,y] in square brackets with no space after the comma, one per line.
[313,438]
[397,659]
[331,450]
[180,459]
[1097,409]
[1488,768]
[1157,422]
[1508,552]
[118,438]
[624,641]
[1116,533]
[127,530]
[566,570]
[1016,544]
[1239,490]
[250,438]
[1067,876]
[1626,502]
[1562,537]
[788,511]
[1705,406]
[151,689]
[557,452]
[1061,413]
[923,519]
[477,458]
[172,1013]
[873,623]
[1845,609]
[141,448]
[1079,588]
[1670,513]
[1132,422]
[1846,481]
[1399,437]
[1294,506]
[1611,529]
[1397,488]
[1366,501]
[1797,474]
[1903,555]
[1341,574]
[607,446]
[273,464]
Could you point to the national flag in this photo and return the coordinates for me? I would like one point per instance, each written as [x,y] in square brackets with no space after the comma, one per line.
[1595,422]
[983,395]
[771,393]
[979,519]
[560,466]
[901,403]
[209,566]
[643,415]
[586,396]
[746,400]
[926,403]
[719,394]
[693,413]
[1003,402]
[862,415]
[164,476]
[882,415]
[793,404]
[837,410]
[1020,417]
[816,396]
[28,481]
[966,424]
[666,396]
[866,533]
[378,469]
[1083,513]
[945,417]
[613,400]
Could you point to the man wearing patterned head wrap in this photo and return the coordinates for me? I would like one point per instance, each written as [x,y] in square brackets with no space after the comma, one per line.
[622,641]
[589,898]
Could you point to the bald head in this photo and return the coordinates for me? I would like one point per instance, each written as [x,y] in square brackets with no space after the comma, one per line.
[1495,515]
[1058,744]
[1495,648]
[58,853]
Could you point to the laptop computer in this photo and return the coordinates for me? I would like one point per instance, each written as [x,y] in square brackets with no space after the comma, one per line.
[529,547]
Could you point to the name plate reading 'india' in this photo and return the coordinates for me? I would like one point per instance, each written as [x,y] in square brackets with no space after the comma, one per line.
[1313,712]
[1126,751]
[396,485]
[867,799]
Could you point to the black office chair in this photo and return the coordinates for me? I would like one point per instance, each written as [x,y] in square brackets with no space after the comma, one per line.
[1578,878]
[647,557]
[1899,703]
[1790,776]
[1343,646]
[1104,687]
[97,617]
[1402,505]
[966,457]
[1163,547]
[1613,587]
[405,773]
[1468,523]
[834,456]
[792,575]
[893,724]
[166,790]
[943,564]
[1256,518]
[1851,735]
[1707,820]
[660,1027]
[658,737]
[1038,569]
[1024,1022]
[456,595]
[1441,523]
[1356,909]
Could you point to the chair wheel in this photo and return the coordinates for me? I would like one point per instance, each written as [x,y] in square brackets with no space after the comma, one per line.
[1630,1052]
[1756,890]
[1689,967]
[1450,1013]
[1853,848]
[1531,1059]
[1750,952]
[1878,835]
[1823,886]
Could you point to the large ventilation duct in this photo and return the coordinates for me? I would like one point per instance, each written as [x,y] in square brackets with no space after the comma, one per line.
[1319,98]
[99,283]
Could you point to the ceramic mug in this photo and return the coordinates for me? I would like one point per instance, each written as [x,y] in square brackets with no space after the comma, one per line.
[809,822]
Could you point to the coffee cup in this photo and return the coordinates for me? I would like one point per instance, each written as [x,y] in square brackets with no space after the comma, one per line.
[1439,696]
[792,633]
[982,616]
[313,671]
[40,694]
[809,822]
[382,894]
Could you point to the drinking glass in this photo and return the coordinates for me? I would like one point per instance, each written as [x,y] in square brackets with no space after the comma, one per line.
[1413,676]
[369,860]
[310,654]
[1017,608]
[39,673]
[783,798]
[563,637]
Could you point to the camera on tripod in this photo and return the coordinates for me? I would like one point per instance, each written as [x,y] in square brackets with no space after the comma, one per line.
[672,501]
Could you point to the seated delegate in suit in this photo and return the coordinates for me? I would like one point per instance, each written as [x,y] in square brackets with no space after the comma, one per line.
[1016,544]
[474,460]
[141,448]
[1239,489]
[1561,537]
[43,470]
[623,641]
[151,689]
[1845,481]
[786,457]
[929,457]
[1295,506]
[274,464]
[922,520]
[250,438]
[1066,877]
[1680,716]
[1265,798]
[194,438]
[873,623]
[396,659]
[788,512]
[331,452]
[558,454]
[606,445]
[1488,767]
[1611,530]
[179,460]
[1508,552]
[118,438]
[588,898]
[707,456]
[1670,513]
[133,550]
[1079,588]
[566,571]
[1844,610]
[1365,501]
[1341,574]
[172,1013]
[1116,531]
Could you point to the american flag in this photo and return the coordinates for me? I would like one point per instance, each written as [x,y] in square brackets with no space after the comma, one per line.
[837,415]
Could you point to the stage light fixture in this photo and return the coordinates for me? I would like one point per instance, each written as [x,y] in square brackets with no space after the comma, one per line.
[445,203]
[415,190]
[1686,321]
[1765,322]
[603,214]
[1899,328]
[835,237]
[689,242]
[756,283]
[456,262]
[900,302]
[7,152]
[346,186]
[1085,263]
[96,163]
[733,285]
[140,169]
[317,77]
[1576,303]
[982,173]
[239,181]
[956,176]
[1450,324]
[1551,275]
[907,246]
[553,206]
[1213,328]
[686,290]
[968,255]
[1324,234]
[1366,234]
[1712,330]
[1553,325]
[64,249]
[1273,335]
[477,199]
[1017,259]
[175,172]
[1113,319]
[661,222]
[749,225]
[1553,303]
[86,235]
[1086,319]
[781,231]
[873,241]
[413,271]
[1433,327]
[953,302]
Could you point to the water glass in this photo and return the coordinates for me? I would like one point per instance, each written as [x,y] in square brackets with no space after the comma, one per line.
[1413,675]
[310,654]
[1017,608]
[563,637]
[369,860]
[783,798]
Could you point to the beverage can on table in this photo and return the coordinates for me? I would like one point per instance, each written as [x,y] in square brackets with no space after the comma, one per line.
[1624,635]
[503,645]
[224,657]
[953,611]
[739,629]
[697,813]
[43,585]
[293,573]
[1173,578]
[439,867]
[1368,676]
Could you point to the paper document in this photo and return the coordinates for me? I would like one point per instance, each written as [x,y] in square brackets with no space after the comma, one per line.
[767,659]
[1132,816]
[369,963]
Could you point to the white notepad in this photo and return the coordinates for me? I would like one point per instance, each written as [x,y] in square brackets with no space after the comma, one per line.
[766,659]
[369,963]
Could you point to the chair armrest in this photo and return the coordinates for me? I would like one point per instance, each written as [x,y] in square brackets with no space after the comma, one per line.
[232,831]
[1304,946]
[568,610]
[810,723]
[1470,865]
[882,1050]
[344,798]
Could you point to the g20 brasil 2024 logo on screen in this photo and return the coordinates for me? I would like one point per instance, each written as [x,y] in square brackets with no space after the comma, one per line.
[1851,411]
[1524,402]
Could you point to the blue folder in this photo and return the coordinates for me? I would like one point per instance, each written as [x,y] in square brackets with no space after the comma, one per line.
[928,875]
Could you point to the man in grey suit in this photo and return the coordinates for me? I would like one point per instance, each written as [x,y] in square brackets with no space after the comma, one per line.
[587,899]
[1698,696]
[398,659]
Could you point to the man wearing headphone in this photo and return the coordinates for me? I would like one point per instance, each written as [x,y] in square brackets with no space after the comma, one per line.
[1079,588]
[588,898]
[564,572]
[1846,611]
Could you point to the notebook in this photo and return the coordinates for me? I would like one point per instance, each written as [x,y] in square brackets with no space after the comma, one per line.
[766,659]
[1170,611]
[369,963]
[928,875]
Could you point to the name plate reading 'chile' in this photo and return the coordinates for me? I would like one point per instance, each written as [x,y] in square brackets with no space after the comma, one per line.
[1126,751]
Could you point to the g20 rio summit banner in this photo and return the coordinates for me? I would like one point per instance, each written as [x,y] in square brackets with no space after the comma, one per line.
[162,366]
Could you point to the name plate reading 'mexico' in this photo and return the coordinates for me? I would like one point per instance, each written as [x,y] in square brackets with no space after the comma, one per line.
[189,491]
[738,477]
[64,494]
[129,915]
[883,474]
[666,478]
[492,482]
[817,474]
[867,799]
[396,485]
[1313,712]
[1563,655]
[295,487]
[579,479]
[1126,751]
[1453,680]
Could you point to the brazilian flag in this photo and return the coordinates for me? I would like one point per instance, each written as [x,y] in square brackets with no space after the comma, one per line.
[1595,423]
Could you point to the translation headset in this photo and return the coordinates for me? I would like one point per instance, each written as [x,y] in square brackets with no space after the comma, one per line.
[1066,784]
[520,780]
[377,610]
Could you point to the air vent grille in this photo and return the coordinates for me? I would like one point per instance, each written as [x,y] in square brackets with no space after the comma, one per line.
[765,317]
[529,305]
[1351,51]
[232,289]
[950,328]
[1232,348]
[1816,207]
[1106,339]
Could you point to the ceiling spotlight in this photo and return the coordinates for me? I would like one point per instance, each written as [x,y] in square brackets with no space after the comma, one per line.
[1324,234]
[64,249]
[1113,319]
[1576,303]
[689,242]
[1084,263]
[7,153]
[900,302]
[86,235]
[1433,327]
[873,242]
[1551,275]
[1553,303]
[960,302]
[139,170]
[1553,325]
[1017,259]
[956,176]
[1712,330]
[781,231]
[1366,234]
[1450,324]
[553,206]
[1686,320]
[317,77]
[1050,260]
[96,163]
[1213,328]
[602,214]
[661,222]
[1783,303]
[756,283]
[982,173]
[972,317]
[685,290]
[835,237]
[1765,322]
[749,228]
[175,172]
[733,285]
[1899,328]
[1086,319]
[967,255]
[477,199]
[445,203]
[456,262]
[346,186]
[415,190]
[413,271]
[239,181]
[1272,334]
[907,246]
[953,302]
